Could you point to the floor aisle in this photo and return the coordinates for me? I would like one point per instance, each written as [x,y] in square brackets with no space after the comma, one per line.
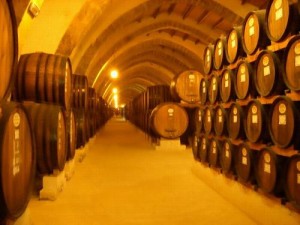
[124,181]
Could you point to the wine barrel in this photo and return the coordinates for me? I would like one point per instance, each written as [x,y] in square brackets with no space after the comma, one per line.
[219,53]
[195,147]
[214,153]
[227,155]
[204,84]
[185,86]
[243,82]
[254,32]
[292,64]
[244,163]
[208,119]
[80,91]
[204,144]
[8,48]
[235,121]
[268,77]
[292,182]
[81,127]
[256,122]
[158,94]
[234,46]
[169,120]
[227,91]
[49,127]
[269,171]
[17,161]
[43,77]
[281,19]
[284,122]
[208,59]
[219,121]
[198,120]
[71,134]
[213,89]
[91,99]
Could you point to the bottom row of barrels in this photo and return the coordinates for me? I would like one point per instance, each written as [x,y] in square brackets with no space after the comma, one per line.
[36,139]
[273,173]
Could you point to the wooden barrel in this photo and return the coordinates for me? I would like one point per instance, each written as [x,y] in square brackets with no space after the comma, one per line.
[8,48]
[204,84]
[227,155]
[91,99]
[268,77]
[49,127]
[254,32]
[234,46]
[227,91]
[284,122]
[43,77]
[219,53]
[208,59]
[81,127]
[292,64]
[243,82]
[219,121]
[281,19]
[71,134]
[244,163]
[213,89]
[17,161]
[185,86]
[169,120]
[158,94]
[203,148]
[195,147]
[214,153]
[235,119]
[80,91]
[269,171]
[256,122]
[292,183]
[198,120]
[208,119]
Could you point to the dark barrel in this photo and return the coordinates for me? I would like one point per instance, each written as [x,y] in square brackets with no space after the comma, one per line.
[195,146]
[292,64]
[243,82]
[204,84]
[185,86]
[198,120]
[204,143]
[43,77]
[235,119]
[80,91]
[208,59]
[254,32]
[17,160]
[244,163]
[227,91]
[292,180]
[81,127]
[8,47]
[256,122]
[213,89]
[220,53]
[227,155]
[92,101]
[268,77]
[220,126]
[157,94]
[214,152]
[71,134]
[208,119]
[281,19]
[49,127]
[234,48]
[284,122]
[269,171]
[169,120]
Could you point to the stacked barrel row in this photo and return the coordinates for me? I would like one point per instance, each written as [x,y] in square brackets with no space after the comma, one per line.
[248,122]
[17,154]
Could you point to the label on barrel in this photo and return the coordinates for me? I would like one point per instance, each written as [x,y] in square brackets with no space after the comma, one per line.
[16,119]
[267,70]
[243,77]
[196,142]
[235,118]
[244,160]
[214,150]
[278,14]
[254,119]
[214,87]
[251,31]
[220,119]
[16,152]
[267,168]
[282,120]
[226,83]
[233,43]
[208,119]
[227,154]
[297,60]
[170,112]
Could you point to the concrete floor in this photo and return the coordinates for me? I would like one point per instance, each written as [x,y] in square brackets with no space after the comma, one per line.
[124,181]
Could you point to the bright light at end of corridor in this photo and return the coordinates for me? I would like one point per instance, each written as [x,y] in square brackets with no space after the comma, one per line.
[114,74]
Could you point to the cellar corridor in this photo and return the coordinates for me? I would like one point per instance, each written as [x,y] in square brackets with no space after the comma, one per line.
[124,181]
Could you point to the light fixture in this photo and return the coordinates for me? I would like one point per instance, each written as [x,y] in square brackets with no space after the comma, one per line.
[33,9]
[114,74]
[115,90]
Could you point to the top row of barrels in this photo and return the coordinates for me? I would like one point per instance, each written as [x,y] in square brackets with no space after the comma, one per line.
[260,29]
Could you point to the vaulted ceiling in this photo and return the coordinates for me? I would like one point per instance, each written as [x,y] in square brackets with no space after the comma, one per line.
[147,41]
